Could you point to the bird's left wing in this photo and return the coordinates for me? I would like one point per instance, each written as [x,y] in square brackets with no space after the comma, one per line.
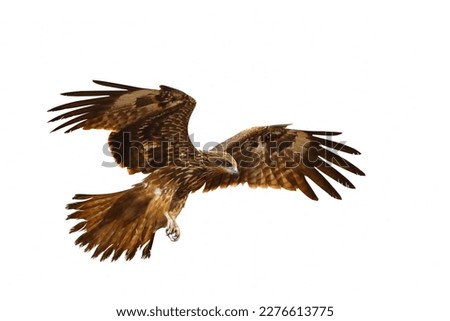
[149,127]
[107,109]
[279,157]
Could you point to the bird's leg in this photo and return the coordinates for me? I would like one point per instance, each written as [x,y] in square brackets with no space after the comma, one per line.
[172,229]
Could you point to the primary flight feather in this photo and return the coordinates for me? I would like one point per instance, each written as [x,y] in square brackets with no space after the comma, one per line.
[149,134]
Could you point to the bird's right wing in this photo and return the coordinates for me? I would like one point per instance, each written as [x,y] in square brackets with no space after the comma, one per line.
[278,157]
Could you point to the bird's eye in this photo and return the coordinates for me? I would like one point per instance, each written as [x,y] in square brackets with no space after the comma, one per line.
[223,163]
[227,164]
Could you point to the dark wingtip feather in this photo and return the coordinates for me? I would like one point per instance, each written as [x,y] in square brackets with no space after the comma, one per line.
[69,93]
[336,196]
[101,82]
[53,109]
[322,133]
[78,121]
[59,117]
[82,196]
[355,170]
[312,197]
[115,85]
[335,145]
[347,184]
[280,125]
[93,93]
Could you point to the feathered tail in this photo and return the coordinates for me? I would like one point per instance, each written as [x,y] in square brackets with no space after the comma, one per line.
[115,223]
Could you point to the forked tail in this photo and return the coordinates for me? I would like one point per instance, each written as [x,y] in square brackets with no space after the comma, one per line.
[114,223]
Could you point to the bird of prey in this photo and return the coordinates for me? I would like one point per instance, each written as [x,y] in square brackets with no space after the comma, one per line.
[149,134]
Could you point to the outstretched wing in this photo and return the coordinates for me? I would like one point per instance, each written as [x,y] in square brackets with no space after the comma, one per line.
[278,157]
[148,127]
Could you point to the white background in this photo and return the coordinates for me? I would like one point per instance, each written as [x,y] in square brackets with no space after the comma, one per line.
[379,72]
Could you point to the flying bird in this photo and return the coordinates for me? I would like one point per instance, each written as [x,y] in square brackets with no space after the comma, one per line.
[149,134]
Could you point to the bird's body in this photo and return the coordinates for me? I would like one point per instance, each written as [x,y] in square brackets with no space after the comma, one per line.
[149,135]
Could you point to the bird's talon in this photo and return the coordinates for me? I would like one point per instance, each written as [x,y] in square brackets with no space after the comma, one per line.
[172,229]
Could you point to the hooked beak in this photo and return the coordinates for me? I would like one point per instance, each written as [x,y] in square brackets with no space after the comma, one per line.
[234,172]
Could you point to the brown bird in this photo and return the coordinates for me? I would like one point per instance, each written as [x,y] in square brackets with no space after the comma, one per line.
[149,134]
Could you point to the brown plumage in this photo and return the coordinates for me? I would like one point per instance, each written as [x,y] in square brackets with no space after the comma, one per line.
[149,135]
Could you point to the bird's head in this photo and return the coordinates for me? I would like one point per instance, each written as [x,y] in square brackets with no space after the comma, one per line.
[222,162]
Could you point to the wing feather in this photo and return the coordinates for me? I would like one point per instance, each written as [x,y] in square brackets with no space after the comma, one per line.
[115,85]
[87,93]
[290,178]
[148,126]
[304,186]
[335,145]
[317,178]
[79,121]
[334,174]
[339,161]
[278,157]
